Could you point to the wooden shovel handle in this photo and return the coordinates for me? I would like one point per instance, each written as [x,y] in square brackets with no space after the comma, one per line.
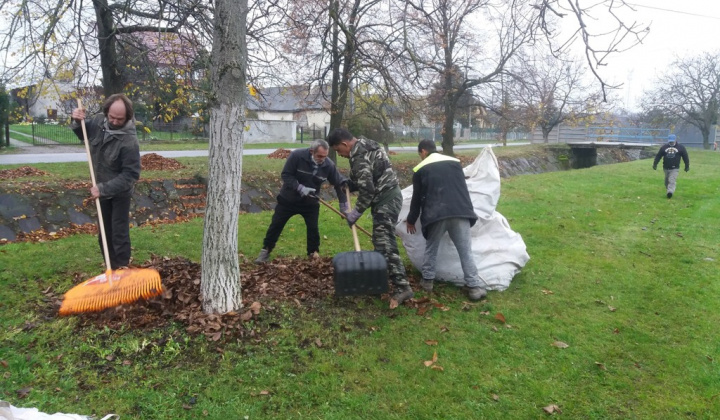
[328,205]
[354,231]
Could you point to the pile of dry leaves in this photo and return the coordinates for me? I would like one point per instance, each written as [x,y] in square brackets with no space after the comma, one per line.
[279,154]
[155,162]
[21,172]
[298,280]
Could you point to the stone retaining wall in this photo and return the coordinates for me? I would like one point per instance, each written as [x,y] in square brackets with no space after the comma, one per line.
[31,208]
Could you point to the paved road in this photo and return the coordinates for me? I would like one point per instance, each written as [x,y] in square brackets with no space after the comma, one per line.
[58,154]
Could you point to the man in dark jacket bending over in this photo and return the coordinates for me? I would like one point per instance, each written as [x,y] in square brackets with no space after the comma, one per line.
[304,173]
[441,199]
[116,162]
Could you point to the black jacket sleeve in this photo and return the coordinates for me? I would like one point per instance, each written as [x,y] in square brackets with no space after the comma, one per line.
[335,178]
[289,172]
[416,201]
[659,155]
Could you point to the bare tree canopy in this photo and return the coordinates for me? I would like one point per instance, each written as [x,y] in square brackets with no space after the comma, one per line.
[545,91]
[690,91]
[41,35]
[443,35]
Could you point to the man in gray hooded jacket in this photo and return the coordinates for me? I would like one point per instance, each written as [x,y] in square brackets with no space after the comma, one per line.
[115,156]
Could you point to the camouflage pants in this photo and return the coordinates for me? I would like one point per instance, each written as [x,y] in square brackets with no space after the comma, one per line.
[383,238]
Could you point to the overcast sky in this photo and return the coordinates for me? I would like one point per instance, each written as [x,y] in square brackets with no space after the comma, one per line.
[677,28]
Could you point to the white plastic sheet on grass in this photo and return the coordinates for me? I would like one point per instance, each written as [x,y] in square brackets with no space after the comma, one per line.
[9,412]
[499,252]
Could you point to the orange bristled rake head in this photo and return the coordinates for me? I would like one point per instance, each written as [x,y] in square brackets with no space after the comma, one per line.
[110,289]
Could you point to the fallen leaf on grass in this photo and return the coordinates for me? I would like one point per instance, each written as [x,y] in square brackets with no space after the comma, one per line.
[612,308]
[423,309]
[429,363]
[4,363]
[255,307]
[264,392]
[552,408]
[393,304]
[600,365]
[187,406]
[500,317]
[437,367]
[548,292]
[444,329]
[485,313]
[318,342]
[23,392]
[560,344]
[431,342]
[495,397]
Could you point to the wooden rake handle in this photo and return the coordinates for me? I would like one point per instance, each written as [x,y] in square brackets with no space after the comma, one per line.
[328,205]
[106,252]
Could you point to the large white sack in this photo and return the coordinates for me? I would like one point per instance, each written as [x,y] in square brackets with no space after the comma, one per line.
[9,412]
[499,252]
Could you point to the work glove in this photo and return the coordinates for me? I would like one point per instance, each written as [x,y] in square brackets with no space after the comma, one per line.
[687,169]
[344,207]
[655,167]
[348,184]
[305,191]
[352,217]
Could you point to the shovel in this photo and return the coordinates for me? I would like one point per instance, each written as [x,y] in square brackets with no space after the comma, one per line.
[328,205]
[359,272]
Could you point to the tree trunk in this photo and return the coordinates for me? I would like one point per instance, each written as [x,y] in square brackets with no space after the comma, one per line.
[112,81]
[706,137]
[220,283]
[546,134]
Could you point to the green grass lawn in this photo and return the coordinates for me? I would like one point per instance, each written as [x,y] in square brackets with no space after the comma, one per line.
[626,278]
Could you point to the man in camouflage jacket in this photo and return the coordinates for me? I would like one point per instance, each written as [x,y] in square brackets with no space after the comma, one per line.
[372,176]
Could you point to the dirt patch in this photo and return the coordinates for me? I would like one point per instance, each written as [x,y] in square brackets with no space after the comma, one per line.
[21,172]
[155,162]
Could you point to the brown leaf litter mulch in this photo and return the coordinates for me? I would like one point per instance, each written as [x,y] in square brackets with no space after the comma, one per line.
[300,281]
[21,172]
[297,280]
[279,154]
[155,162]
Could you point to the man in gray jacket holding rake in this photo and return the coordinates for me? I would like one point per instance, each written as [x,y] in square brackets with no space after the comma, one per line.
[115,154]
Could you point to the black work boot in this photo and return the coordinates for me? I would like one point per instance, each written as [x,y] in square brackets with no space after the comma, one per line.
[427,284]
[403,293]
[263,256]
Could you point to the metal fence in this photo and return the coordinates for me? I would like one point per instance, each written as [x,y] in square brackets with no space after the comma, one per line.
[688,135]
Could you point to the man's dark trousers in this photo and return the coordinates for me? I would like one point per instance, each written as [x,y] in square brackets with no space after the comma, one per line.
[116,219]
[308,209]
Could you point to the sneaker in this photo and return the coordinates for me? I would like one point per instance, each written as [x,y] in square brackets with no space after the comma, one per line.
[426,284]
[476,293]
[263,256]
[669,195]
[403,293]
